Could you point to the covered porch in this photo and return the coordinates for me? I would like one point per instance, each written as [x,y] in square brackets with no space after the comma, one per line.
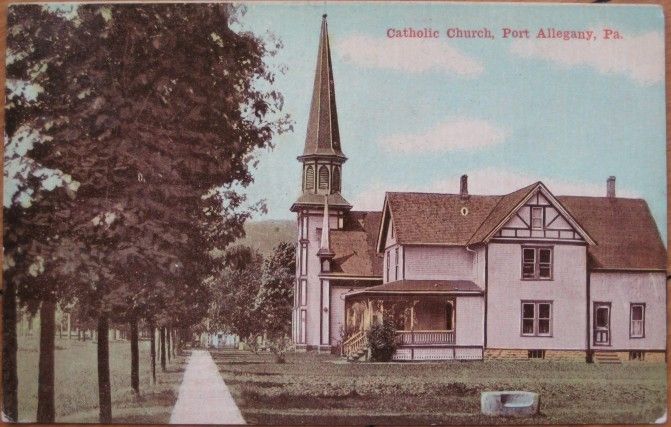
[423,312]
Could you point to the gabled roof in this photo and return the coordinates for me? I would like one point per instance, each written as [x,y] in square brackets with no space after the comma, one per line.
[440,219]
[625,231]
[430,218]
[510,203]
[354,246]
[323,135]
[501,211]
[423,287]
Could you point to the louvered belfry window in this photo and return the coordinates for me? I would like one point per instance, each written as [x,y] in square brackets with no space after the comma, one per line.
[323,178]
[335,184]
[309,178]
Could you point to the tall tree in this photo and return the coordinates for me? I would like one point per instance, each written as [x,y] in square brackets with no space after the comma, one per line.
[159,122]
[275,297]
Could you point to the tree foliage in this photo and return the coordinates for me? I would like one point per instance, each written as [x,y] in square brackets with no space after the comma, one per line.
[382,340]
[275,297]
[149,117]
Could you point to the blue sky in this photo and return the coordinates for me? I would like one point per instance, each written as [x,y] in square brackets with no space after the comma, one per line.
[416,114]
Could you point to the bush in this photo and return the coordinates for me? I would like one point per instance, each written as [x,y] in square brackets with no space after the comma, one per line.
[382,341]
[279,347]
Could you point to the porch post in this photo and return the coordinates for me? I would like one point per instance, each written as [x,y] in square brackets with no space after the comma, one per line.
[412,323]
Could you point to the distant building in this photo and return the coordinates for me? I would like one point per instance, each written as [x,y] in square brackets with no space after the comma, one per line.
[522,275]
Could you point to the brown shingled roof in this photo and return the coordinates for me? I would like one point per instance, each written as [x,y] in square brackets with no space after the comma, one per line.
[431,218]
[625,232]
[354,245]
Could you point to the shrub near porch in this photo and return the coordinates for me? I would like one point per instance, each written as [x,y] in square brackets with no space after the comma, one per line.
[321,389]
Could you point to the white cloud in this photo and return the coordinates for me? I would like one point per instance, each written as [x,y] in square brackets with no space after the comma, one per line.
[459,133]
[639,57]
[487,181]
[407,55]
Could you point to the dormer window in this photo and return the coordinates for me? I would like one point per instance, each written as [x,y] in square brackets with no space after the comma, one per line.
[536,218]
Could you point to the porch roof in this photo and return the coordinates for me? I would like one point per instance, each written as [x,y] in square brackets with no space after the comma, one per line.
[423,287]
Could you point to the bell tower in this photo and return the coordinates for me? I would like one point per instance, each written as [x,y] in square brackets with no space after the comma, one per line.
[320,206]
[322,157]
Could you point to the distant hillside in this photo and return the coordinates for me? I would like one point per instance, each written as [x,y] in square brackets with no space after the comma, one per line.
[265,235]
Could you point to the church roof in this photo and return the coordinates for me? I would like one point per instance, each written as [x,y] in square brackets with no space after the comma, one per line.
[623,231]
[335,200]
[323,135]
[354,246]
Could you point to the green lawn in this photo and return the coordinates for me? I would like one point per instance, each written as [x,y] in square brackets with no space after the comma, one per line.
[320,389]
[77,383]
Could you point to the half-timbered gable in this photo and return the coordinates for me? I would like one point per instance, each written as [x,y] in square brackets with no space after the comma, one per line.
[540,216]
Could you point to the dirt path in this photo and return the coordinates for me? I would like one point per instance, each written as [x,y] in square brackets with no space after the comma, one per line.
[203,395]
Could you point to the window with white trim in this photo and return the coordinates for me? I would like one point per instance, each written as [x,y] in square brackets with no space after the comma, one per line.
[396,264]
[637,320]
[536,263]
[537,318]
[536,218]
[387,270]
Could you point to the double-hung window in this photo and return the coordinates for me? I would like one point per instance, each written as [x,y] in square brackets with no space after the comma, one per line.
[388,260]
[536,218]
[536,263]
[396,264]
[537,318]
[637,324]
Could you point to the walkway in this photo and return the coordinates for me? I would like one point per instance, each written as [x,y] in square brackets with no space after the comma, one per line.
[203,395]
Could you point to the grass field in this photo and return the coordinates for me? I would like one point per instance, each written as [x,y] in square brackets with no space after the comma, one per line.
[320,389]
[76,383]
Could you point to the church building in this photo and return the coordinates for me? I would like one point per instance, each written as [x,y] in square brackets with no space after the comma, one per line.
[527,274]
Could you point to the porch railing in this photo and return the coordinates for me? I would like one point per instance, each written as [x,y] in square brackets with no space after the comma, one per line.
[424,337]
[354,343]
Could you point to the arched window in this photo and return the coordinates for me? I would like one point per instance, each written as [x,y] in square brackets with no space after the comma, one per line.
[309,178]
[335,179]
[323,178]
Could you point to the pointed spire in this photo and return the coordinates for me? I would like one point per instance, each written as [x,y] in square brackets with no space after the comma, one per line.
[325,246]
[323,135]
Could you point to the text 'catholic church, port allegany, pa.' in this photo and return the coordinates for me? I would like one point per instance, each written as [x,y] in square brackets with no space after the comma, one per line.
[528,274]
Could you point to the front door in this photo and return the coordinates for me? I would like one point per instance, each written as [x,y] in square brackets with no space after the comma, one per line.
[601,323]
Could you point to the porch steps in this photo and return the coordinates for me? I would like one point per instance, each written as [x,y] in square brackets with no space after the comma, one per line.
[607,358]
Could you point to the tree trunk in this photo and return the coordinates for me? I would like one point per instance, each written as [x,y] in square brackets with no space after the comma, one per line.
[169,342]
[174,341]
[162,339]
[104,386]
[46,409]
[69,326]
[10,381]
[134,358]
[152,351]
